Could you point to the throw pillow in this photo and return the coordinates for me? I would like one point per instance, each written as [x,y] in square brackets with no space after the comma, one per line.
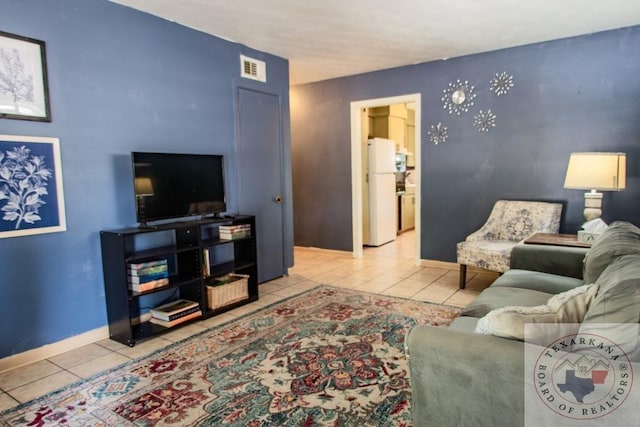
[620,238]
[567,307]
[618,299]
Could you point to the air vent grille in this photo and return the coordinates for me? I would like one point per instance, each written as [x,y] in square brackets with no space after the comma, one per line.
[250,68]
[253,69]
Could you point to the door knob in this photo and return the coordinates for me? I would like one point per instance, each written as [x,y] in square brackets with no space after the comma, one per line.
[278,199]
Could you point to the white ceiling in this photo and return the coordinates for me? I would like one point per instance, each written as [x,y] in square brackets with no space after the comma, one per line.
[324,39]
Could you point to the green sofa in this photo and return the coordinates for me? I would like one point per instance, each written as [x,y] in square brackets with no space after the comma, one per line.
[463,378]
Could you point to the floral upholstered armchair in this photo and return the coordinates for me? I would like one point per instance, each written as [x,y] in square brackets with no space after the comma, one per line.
[509,223]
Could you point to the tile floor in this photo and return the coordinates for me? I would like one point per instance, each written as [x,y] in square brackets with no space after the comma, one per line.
[389,269]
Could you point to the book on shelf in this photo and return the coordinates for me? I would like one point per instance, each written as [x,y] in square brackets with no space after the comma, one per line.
[136,280]
[177,321]
[166,310]
[233,236]
[230,232]
[148,264]
[147,286]
[171,317]
[206,266]
[238,227]
[148,270]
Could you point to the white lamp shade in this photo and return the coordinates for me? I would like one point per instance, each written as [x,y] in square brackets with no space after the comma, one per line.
[596,171]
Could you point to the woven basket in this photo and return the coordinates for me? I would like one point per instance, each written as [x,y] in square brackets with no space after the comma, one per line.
[227,289]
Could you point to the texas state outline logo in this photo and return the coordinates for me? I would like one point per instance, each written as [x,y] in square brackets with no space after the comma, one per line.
[583,376]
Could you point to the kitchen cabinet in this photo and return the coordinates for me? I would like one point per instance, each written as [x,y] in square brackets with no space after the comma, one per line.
[390,122]
[407,212]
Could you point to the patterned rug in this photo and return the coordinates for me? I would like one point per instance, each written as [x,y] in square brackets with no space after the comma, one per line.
[327,357]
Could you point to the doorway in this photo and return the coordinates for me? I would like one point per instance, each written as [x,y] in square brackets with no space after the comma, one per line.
[357,172]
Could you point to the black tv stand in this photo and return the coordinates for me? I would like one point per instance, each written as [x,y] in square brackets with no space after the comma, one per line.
[195,256]
[147,226]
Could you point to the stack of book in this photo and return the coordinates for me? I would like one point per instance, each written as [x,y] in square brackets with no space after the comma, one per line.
[146,276]
[175,312]
[231,232]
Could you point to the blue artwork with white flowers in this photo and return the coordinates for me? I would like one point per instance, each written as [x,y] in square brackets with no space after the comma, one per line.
[28,187]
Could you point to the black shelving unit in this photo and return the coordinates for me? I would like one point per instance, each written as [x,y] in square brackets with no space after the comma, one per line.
[183,245]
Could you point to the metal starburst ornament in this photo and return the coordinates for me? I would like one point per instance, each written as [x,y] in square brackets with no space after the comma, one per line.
[501,83]
[458,97]
[438,133]
[484,121]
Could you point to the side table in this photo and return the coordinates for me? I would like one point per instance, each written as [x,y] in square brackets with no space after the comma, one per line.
[556,240]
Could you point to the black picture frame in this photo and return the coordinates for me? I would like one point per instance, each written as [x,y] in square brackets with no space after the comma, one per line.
[24,88]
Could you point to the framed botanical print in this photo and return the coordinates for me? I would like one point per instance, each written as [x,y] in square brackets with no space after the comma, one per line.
[24,92]
[31,193]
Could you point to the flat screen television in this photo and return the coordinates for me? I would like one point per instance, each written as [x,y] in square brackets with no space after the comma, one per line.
[173,185]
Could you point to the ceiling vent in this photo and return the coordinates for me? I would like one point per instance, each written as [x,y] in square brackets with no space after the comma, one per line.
[253,69]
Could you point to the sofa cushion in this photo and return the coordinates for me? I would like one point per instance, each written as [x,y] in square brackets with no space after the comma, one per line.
[618,300]
[537,281]
[620,238]
[561,260]
[567,307]
[464,324]
[498,297]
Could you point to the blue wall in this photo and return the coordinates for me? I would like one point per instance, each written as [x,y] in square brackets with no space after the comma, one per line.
[119,81]
[577,94]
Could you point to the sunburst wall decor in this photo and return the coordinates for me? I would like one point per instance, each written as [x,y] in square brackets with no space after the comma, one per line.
[501,84]
[484,121]
[438,133]
[458,97]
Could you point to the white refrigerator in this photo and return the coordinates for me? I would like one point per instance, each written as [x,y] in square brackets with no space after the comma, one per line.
[382,191]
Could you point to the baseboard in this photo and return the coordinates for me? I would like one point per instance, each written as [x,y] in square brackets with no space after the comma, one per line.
[50,350]
[480,270]
[315,249]
[439,264]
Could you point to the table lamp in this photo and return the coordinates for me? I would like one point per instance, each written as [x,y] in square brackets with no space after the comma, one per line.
[143,188]
[595,172]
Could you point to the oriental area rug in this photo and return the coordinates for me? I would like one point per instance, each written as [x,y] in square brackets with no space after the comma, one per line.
[326,357]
